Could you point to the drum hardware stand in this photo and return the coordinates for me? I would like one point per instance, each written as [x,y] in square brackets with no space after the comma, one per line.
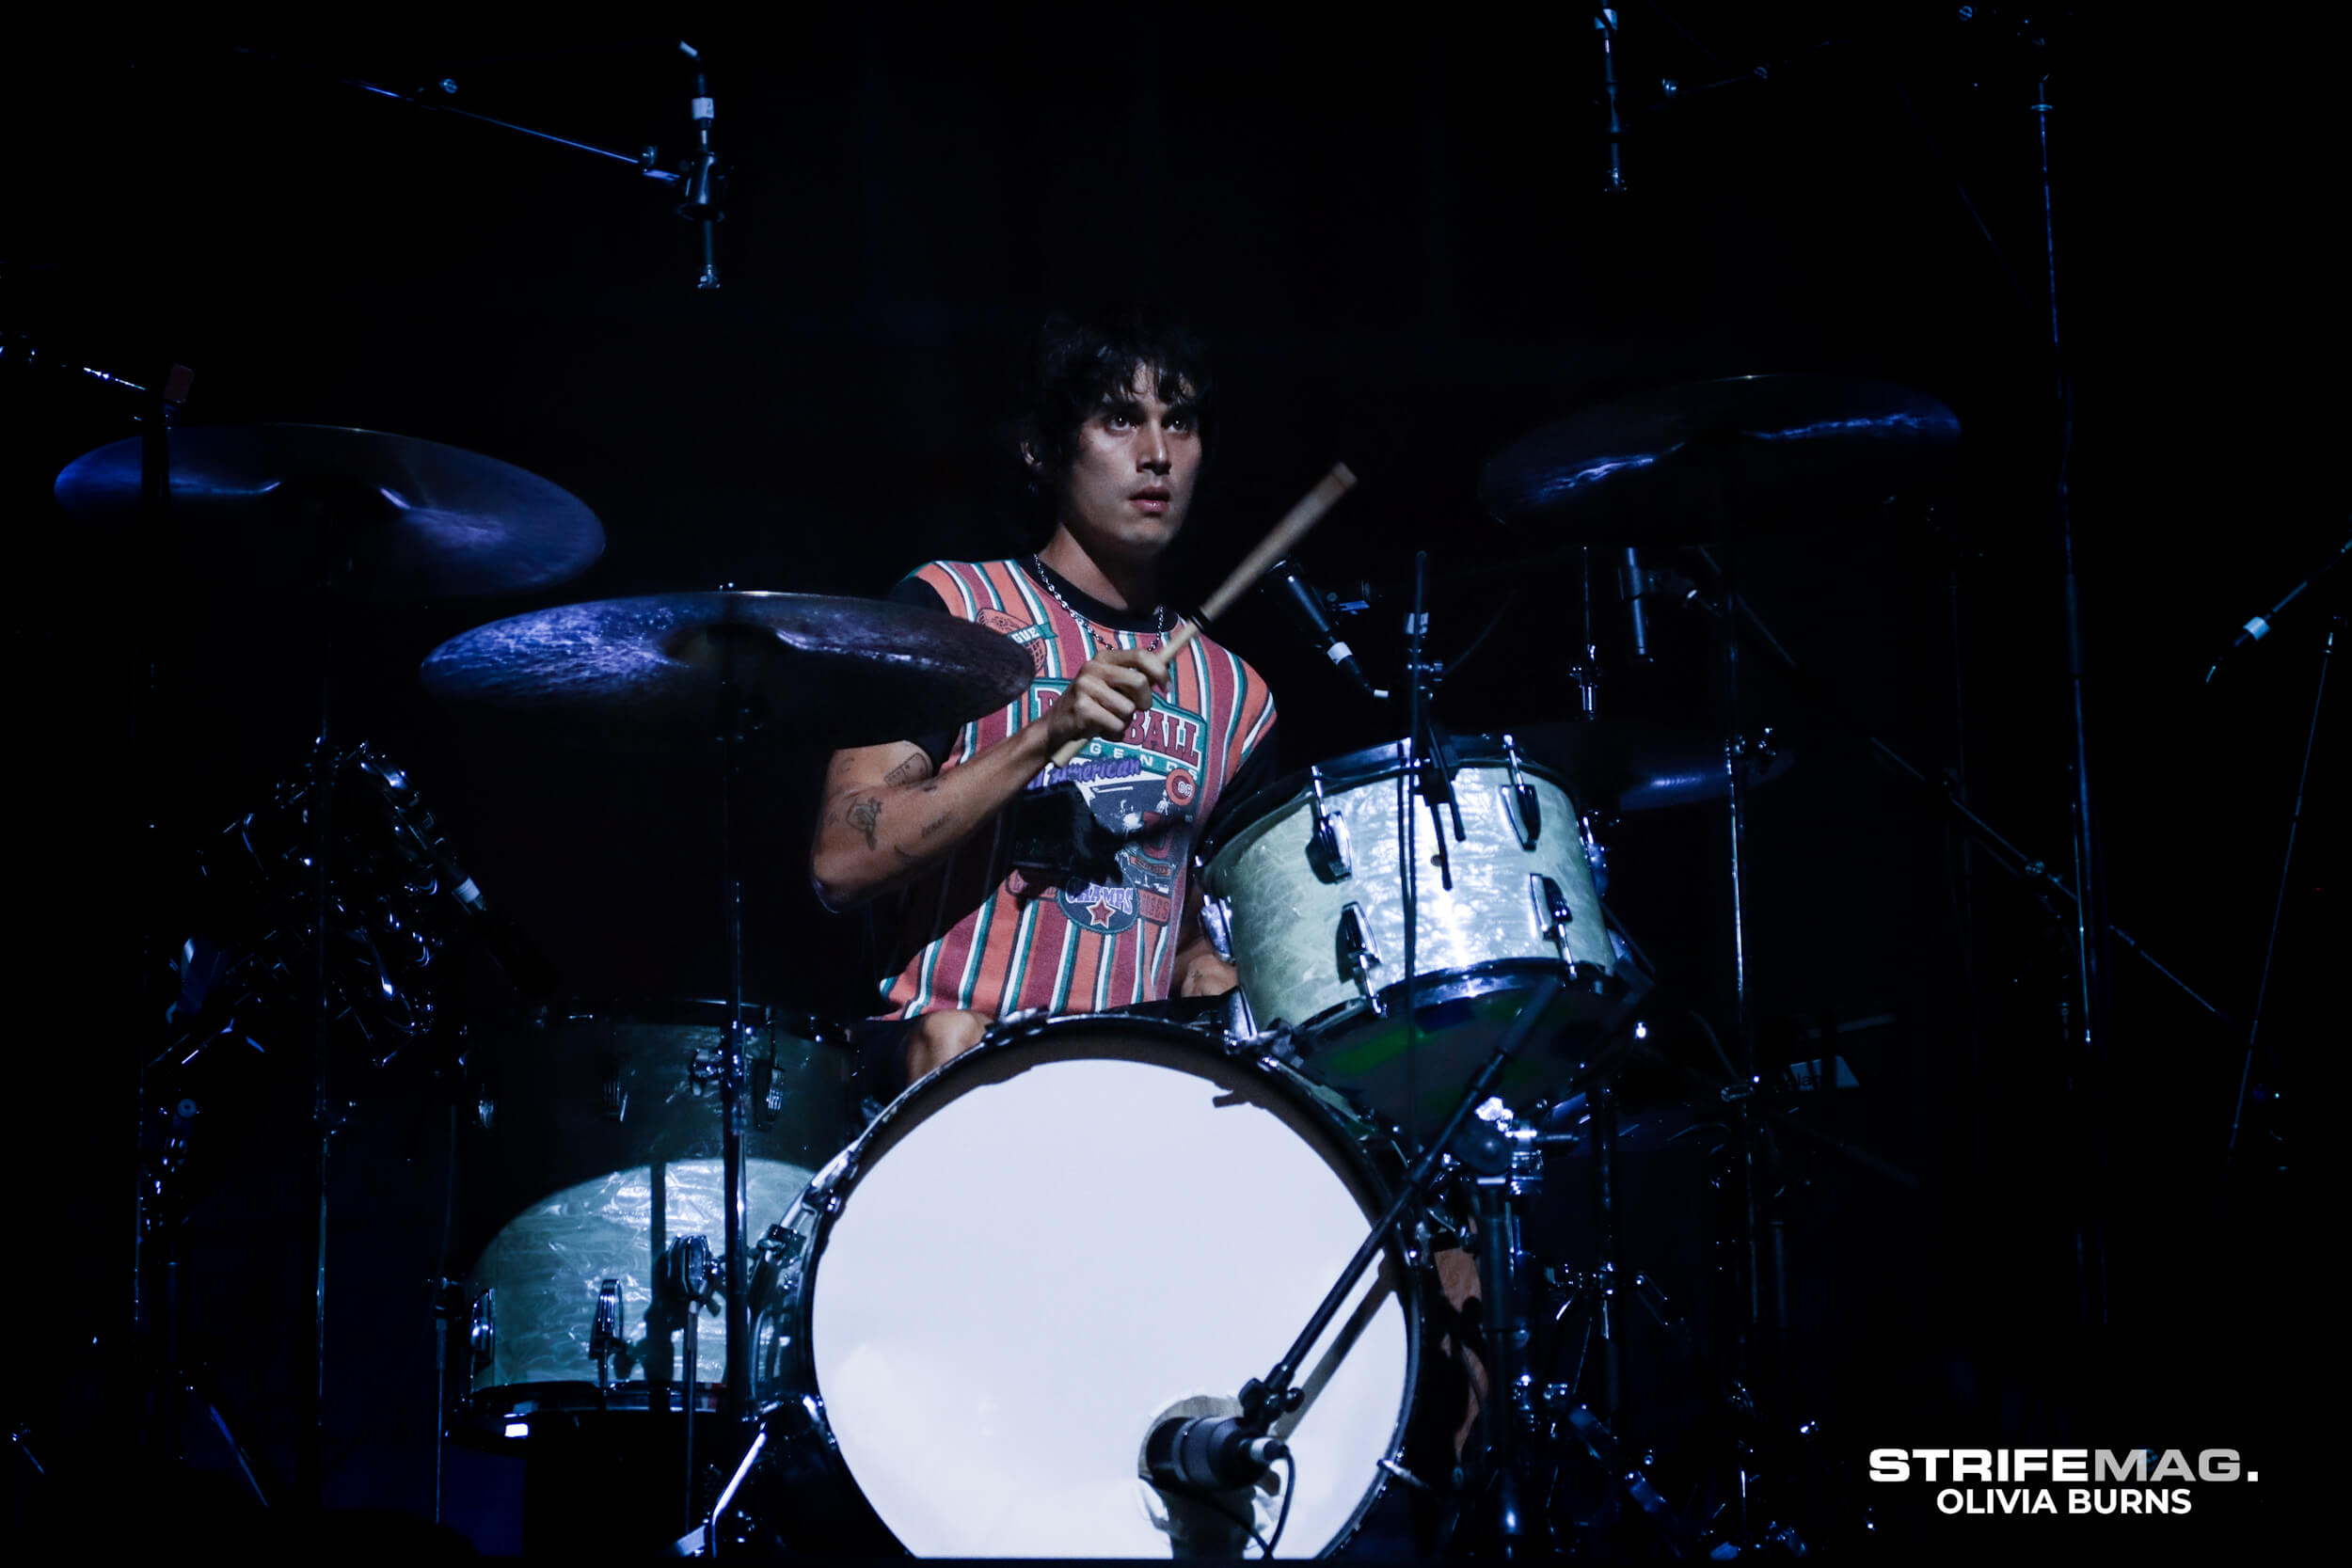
[334,564]
[692,1272]
[1585,672]
[1263,1400]
[1742,621]
[1751,1316]
[703,1540]
[688,1278]
[2286,864]
[157,399]
[447,1296]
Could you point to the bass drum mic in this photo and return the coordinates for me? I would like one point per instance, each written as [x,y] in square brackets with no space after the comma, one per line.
[1205,1453]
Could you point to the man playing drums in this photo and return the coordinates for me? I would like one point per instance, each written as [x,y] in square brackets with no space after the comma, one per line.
[1022,885]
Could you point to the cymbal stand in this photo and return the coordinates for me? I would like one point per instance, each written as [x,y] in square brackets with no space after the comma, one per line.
[1741,622]
[333,570]
[139,1337]
[1751,1318]
[734,1071]
[2286,867]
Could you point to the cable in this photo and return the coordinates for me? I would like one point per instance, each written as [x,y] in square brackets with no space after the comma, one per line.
[1509,598]
[1290,1490]
[1247,1519]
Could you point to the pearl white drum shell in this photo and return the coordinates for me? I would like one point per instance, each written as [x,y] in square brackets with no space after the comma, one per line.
[1480,943]
[1052,1243]
[604,1145]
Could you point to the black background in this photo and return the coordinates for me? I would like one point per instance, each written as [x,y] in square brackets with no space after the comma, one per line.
[1394,238]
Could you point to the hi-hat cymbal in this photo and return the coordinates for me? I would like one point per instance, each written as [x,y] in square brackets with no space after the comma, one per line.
[808,670]
[1627,765]
[384,516]
[1707,460]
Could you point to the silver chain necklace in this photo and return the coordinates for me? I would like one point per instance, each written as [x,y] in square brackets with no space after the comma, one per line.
[1045,576]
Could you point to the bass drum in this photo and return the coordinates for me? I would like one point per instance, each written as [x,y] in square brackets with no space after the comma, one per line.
[974,1318]
[600,1144]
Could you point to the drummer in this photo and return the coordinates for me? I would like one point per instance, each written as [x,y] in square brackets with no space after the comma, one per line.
[1016,885]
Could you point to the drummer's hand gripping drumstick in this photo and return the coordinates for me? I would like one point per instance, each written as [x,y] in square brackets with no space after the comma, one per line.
[1273,548]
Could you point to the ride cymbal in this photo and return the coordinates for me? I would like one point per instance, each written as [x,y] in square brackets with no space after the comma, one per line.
[358,511]
[1707,460]
[1620,766]
[807,669]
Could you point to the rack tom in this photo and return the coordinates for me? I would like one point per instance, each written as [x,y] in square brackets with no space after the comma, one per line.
[1301,894]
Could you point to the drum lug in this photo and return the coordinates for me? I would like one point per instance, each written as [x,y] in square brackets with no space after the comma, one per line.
[1596,854]
[1216,921]
[606,1339]
[482,1334]
[1327,849]
[1359,957]
[1552,915]
[1519,802]
[1241,1022]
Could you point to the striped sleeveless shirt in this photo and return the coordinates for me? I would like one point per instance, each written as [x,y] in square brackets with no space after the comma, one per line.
[972,931]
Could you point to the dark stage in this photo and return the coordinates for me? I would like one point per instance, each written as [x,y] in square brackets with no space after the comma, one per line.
[2033,1214]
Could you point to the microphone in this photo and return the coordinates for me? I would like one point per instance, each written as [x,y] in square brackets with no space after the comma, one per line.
[2259,627]
[1633,585]
[1307,606]
[704,181]
[1201,1453]
[1605,22]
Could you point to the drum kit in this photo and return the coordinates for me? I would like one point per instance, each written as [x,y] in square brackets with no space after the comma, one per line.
[1145,1283]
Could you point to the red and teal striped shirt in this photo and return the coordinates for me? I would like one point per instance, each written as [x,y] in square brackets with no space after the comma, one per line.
[972,931]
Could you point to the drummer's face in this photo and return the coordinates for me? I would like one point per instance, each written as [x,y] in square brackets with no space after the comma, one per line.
[1131,477]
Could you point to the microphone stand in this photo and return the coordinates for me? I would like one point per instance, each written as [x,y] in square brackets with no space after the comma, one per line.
[1263,1400]
[698,179]
[2092,1043]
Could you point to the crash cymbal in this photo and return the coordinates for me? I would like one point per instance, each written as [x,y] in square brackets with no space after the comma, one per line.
[810,671]
[1623,765]
[381,516]
[1709,460]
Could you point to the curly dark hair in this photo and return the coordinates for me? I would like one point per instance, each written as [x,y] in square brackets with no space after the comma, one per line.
[1077,364]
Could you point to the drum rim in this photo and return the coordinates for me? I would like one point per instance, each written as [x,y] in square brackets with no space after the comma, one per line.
[477,1417]
[828,1193]
[584,1008]
[1487,977]
[1350,771]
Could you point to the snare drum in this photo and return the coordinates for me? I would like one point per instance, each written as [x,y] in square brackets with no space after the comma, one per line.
[975,1318]
[603,1144]
[1301,894]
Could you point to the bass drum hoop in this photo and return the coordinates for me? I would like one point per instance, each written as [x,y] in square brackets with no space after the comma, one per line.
[803,1447]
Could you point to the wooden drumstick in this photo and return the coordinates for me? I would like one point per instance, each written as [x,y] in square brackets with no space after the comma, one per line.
[1279,542]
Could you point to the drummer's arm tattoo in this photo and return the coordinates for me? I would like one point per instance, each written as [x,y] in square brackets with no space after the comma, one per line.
[858,851]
